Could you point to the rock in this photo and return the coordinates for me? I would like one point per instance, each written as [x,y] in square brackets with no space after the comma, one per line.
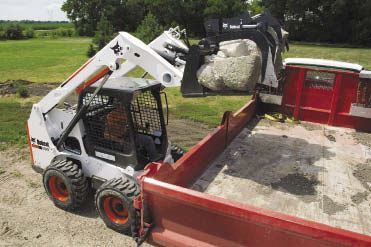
[207,78]
[221,54]
[239,73]
[234,48]
[236,66]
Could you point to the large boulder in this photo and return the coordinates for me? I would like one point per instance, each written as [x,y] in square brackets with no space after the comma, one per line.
[236,66]
[207,78]
[239,73]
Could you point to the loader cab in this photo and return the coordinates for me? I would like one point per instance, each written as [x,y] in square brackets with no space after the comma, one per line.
[123,110]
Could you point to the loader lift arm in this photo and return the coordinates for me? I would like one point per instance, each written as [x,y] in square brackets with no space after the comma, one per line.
[118,57]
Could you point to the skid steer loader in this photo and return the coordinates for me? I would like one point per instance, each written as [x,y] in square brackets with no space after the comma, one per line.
[118,125]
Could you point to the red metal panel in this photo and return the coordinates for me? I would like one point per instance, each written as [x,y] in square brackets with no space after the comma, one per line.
[183,217]
[291,82]
[335,99]
[299,91]
[323,105]
[239,120]
[347,92]
[196,160]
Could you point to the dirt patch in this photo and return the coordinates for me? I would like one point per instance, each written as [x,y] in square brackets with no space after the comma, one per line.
[360,197]
[269,123]
[311,126]
[363,138]
[331,138]
[9,87]
[297,184]
[34,89]
[186,133]
[363,174]
[24,203]
[331,207]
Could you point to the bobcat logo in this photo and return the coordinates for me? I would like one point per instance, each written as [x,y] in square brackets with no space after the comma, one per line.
[116,48]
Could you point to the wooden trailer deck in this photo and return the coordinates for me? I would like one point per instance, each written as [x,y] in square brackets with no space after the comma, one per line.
[311,171]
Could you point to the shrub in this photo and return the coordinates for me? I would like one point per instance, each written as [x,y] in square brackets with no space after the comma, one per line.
[91,51]
[70,32]
[149,29]
[14,32]
[104,33]
[29,33]
[2,35]
[22,91]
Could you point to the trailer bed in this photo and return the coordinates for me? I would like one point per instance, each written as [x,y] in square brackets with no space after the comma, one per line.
[310,171]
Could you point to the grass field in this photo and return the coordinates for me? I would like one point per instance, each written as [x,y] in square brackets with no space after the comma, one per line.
[48,60]
[41,60]
[37,25]
[53,60]
[14,112]
[352,55]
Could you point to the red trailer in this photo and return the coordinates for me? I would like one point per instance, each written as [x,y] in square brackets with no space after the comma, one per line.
[317,91]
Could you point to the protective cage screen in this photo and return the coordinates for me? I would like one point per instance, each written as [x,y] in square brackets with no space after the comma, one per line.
[319,80]
[106,123]
[364,93]
[146,115]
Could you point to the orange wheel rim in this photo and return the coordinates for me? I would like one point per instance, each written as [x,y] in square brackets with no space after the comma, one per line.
[58,189]
[116,210]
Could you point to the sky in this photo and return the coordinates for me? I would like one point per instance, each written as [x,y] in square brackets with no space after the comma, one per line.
[38,10]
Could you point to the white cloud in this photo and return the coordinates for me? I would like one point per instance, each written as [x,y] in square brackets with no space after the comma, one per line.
[41,10]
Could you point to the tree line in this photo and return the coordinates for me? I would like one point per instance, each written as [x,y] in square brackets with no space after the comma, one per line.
[128,14]
[17,30]
[334,21]
[331,21]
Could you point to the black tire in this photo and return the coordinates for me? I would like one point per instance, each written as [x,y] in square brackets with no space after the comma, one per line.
[176,152]
[114,202]
[66,184]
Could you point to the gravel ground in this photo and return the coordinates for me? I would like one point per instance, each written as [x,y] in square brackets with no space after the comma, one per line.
[311,171]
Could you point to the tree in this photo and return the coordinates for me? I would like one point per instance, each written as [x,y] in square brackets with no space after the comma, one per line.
[187,13]
[122,14]
[84,15]
[335,21]
[255,7]
[104,34]
[278,8]
[362,31]
[225,9]
[149,29]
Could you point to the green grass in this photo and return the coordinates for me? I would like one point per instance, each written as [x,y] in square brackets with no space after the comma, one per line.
[352,55]
[42,60]
[14,112]
[37,25]
[207,110]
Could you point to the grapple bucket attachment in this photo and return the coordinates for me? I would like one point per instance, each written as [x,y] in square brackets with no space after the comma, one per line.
[241,27]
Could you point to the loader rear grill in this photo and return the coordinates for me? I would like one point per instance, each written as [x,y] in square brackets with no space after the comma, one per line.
[319,80]
[106,123]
